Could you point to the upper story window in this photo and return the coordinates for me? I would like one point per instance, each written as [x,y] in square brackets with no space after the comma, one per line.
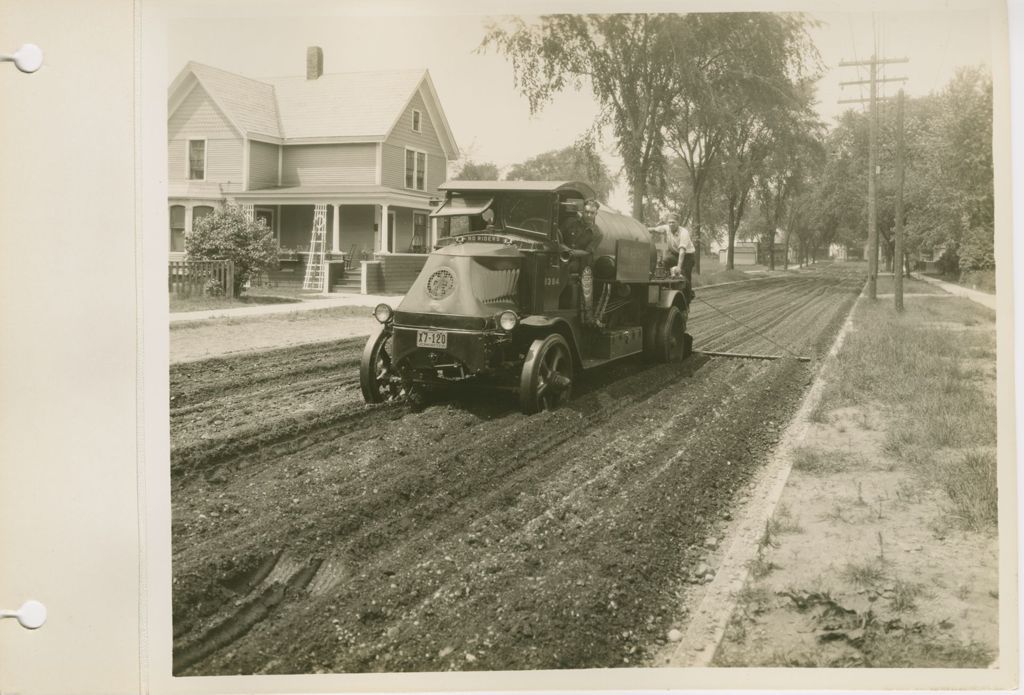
[197,160]
[415,169]
[417,121]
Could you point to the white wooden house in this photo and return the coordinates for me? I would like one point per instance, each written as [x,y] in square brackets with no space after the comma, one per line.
[372,146]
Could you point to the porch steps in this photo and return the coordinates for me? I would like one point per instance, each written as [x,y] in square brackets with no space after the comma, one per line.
[350,284]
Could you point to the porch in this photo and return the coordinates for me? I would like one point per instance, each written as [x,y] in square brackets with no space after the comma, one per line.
[391,235]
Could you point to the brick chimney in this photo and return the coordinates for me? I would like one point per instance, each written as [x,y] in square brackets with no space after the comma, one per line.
[314,62]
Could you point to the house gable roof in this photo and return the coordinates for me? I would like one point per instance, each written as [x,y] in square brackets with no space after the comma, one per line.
[341,107]
[249,104]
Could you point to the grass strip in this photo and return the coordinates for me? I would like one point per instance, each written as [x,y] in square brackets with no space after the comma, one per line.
[939,404]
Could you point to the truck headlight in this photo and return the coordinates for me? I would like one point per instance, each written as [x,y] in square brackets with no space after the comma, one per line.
[508,320]
[382,312]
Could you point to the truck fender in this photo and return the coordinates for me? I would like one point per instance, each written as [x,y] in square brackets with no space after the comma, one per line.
[669,298]
[544,325]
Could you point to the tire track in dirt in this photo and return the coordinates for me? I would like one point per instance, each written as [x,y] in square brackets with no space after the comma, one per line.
[440,550]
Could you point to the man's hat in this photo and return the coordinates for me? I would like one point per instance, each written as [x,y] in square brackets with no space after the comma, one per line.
[671,217]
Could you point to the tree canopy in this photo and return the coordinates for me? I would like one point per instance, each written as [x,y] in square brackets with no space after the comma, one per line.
[627,61]
[579,162]
[477,171]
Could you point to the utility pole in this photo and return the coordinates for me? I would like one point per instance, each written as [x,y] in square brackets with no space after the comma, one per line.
[897,261]
[872,155]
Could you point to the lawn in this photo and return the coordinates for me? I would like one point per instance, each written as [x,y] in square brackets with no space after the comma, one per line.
[910,286]
[252,296]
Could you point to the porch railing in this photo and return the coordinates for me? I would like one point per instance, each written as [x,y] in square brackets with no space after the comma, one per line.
[188,278]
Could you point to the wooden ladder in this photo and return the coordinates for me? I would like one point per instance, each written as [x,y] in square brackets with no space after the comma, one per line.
[315,265]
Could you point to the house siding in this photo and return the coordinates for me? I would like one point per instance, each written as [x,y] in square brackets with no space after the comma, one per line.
[392,161]
[324,165]
[262,165]
[356,228]
[199,118]
[393,155]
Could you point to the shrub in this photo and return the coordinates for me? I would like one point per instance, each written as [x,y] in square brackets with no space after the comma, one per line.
[976,250]
[228,235]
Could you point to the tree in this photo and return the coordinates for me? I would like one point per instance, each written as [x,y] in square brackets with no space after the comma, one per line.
[842,181]
[797,148]
[627,60]
[229,235]
[579,162]
[950,195]
[744,148]
[477,171]
[730,66]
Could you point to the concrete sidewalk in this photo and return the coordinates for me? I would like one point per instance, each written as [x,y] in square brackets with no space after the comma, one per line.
[328,302]
[983,298]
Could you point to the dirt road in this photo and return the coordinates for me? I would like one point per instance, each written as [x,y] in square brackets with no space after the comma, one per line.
[314,534]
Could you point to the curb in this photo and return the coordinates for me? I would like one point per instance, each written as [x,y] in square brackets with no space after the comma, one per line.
[705,632]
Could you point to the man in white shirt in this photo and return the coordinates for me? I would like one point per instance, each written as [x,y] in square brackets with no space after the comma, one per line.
[679,256]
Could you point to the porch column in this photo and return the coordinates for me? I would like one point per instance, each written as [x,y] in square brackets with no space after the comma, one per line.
[433,233]
[336,230]
[384,231]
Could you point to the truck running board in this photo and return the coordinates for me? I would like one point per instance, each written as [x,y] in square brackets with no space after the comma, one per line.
[750,356]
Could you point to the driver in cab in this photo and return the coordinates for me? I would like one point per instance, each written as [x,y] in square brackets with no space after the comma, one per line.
[578,229]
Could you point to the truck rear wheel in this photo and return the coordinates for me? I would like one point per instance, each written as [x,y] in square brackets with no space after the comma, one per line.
[670,339]
[546,380]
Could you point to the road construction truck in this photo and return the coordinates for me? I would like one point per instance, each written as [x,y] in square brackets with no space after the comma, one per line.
[530,284]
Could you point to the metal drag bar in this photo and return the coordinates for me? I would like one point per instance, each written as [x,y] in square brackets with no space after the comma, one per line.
[750,356]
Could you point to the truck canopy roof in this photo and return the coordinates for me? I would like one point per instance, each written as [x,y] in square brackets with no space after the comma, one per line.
[526,186]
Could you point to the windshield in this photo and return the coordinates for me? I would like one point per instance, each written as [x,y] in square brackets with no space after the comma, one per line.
[468,214]
[530,212]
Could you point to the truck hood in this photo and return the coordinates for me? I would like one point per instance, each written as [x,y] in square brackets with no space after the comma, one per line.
[471,279]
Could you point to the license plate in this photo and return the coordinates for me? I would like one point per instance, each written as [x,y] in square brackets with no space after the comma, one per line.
[432,339]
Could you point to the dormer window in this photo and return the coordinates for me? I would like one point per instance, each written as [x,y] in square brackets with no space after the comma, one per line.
[197,160]
[417,121]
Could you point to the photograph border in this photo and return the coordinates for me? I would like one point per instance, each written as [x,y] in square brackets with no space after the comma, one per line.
[151,31]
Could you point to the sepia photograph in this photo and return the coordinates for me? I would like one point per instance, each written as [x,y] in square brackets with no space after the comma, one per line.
[612,340]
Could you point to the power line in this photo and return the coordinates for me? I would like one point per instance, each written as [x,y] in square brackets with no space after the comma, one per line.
[873,169]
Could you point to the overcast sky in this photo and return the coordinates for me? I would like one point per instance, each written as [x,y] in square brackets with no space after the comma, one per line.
[491,121]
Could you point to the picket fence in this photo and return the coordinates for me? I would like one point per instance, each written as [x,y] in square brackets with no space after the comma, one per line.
[189,278]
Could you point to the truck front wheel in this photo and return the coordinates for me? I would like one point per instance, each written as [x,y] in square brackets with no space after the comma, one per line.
[378,379]
[546,380]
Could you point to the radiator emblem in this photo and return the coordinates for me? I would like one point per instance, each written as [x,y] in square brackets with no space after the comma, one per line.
[441,283]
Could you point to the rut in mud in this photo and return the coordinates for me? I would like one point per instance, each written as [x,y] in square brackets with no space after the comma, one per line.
[311,533]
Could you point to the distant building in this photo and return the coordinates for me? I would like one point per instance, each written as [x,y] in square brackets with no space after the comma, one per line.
[372,146]
[753,251]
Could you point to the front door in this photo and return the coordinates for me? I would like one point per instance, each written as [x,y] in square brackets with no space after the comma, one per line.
[419,233]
